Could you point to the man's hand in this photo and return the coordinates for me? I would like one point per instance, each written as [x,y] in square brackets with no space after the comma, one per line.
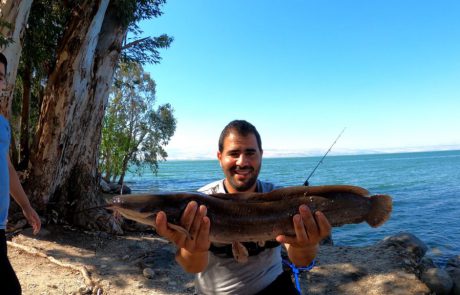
[33,219]
[193,249]
[195,221]
[309,230]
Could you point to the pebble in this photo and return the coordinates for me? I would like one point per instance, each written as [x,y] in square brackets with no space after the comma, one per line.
[148,262]
[148,273]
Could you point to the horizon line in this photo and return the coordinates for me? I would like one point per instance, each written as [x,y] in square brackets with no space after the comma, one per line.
[274,153]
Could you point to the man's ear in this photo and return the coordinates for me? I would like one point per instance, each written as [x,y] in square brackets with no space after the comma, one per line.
[219,157]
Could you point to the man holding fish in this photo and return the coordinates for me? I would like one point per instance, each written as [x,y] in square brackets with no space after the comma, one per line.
[250,267]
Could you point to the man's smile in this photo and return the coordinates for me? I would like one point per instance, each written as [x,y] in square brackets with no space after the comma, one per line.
[243,171]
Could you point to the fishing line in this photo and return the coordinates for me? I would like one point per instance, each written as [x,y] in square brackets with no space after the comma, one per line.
[321,161]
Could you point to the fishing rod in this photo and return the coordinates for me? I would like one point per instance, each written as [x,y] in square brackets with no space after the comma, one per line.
[321,161]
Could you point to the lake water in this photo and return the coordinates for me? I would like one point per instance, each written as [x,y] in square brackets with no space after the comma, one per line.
[425,187]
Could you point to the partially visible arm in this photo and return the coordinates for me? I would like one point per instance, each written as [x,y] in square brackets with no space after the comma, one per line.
[310,230]
[20,197]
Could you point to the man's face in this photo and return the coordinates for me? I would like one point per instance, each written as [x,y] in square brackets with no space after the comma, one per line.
[2,77]
[240,160]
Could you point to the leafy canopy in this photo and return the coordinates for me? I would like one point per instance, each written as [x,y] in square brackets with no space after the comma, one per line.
[134,133]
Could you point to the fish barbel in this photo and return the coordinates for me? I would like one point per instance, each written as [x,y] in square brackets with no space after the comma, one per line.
[258,217]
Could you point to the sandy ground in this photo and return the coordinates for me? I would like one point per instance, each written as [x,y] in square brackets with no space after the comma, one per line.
[63,260]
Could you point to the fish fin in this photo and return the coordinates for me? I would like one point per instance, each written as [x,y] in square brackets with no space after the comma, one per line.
[240,253]
[381,206]
[180,229]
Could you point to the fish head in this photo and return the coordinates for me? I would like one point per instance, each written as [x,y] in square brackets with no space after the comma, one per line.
[140,208]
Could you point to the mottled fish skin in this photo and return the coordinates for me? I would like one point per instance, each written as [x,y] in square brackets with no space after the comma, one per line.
[245,217]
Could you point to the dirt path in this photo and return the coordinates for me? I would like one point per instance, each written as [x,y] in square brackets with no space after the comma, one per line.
[114,264]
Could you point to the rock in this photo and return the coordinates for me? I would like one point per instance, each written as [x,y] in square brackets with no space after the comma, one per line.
[148,273]
[454,262]
[427,263]
[408,241]
[438,280]
[116,188]
[148,262]
[105,188]
[327,241]
[454,273]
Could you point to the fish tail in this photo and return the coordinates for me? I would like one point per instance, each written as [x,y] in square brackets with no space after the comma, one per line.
[381,206]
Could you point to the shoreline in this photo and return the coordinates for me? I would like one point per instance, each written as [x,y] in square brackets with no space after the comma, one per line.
[143,263]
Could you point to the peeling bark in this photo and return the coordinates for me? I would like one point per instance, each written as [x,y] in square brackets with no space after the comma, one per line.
[24,145]
[64,176]
[15,12]
[60,136]
[107,56]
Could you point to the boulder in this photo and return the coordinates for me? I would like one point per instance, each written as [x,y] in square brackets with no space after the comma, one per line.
[410,242]
[438,280]
[453,269]
[116,188]
[105,188]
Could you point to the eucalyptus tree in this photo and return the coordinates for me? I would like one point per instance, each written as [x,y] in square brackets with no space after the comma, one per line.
[13,16]
[46,25]
[63,176]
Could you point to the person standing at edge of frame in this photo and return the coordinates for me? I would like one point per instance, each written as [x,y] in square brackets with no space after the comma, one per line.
[10,184]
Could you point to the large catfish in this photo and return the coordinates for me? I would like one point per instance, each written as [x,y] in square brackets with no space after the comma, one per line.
[259,217]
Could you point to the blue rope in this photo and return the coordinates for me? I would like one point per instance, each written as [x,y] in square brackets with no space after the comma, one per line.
[296,271]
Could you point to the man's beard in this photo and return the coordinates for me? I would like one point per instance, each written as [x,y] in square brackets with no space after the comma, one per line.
[247,184]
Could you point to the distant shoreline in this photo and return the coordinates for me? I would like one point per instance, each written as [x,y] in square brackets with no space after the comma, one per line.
[267,154]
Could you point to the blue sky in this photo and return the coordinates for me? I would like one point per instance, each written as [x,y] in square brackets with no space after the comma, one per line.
[301,71]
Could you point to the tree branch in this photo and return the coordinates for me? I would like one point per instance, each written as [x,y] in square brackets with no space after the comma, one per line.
[134,43]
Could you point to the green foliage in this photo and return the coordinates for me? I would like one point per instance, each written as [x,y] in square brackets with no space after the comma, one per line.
[45,27]
[47,22]
[134,132]
[137,48]
[132,11]
[145,50]
[4,41]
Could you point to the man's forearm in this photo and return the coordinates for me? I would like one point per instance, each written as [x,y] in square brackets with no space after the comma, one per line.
[192,262]
[302,256]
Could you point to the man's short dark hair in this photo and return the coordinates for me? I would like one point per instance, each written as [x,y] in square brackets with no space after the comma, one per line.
[243,128]
[3,60]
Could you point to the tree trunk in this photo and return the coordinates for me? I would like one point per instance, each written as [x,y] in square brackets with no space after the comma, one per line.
[24,147]
[63,175]
[16,13]
[106,60]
